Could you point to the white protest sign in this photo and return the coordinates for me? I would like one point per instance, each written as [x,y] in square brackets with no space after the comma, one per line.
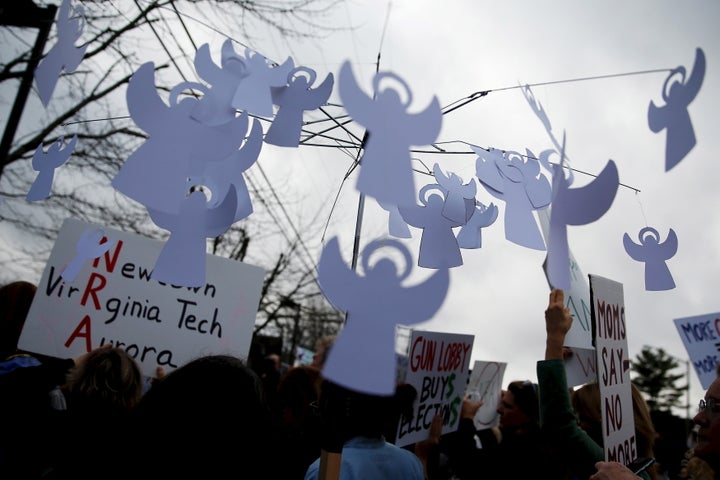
[581,366]
[437,367]
[577,298]
[486,383]
[113,300]
[608,310]
[701,337]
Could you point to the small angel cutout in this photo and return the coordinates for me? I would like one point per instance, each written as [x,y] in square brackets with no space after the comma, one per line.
[386,166]
[521,185]
[674,115]
[654,254]
[456,194]
[470,234]
[253,95]
[214,108]
[182,260]
[293,99]
[46,163]
[64,55]
[363,355]
[178,147]
[91,244]
[438,246]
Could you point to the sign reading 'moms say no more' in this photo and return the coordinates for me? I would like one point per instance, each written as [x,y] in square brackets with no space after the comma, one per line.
[113,300]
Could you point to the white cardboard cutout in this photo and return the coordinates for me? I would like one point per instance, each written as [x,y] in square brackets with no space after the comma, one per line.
[363,354]
[654,254]
[45,163]
[386,166]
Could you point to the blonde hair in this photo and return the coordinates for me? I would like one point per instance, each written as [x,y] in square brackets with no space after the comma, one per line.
[108,378]
[586,403]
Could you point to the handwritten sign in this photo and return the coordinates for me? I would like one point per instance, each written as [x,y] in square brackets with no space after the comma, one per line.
[613,365]
[701,337]
[114,300]
[438,368]
[581,366]
[486,383]
[577,297]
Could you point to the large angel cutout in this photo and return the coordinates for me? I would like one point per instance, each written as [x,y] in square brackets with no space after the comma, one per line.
[470,234]
[674,116]
[457,194]
[182,261]
[64,55]
[438,246]
[386,166]
[575,206]
[293,99]
[156,173]
[363,355]
[45,164]
[519,182]
[654,254]
[91,244]
[253,94]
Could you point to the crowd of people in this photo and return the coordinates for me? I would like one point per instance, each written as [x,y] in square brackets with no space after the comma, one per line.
[219,416]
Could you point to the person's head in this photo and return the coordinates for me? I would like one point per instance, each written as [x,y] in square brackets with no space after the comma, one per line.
[708,421]
[106,379]
[586,403]
[322,348]
[206,418]
[519,407]
[297,390]
[15,301]
[347,413]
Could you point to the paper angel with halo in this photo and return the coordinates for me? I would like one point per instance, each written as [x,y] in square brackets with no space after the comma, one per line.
[363,354]
[654,254]
[386,166]
[674,116]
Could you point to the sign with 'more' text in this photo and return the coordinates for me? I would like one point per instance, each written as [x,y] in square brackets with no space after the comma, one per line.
[114,300]
[437,366]
[701,336]
[613,369]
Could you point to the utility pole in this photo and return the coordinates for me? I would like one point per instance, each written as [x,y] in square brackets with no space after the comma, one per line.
[24,13]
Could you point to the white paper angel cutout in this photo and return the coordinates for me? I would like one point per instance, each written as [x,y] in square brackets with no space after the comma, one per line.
[64,55]
[521,185]
[396,225]
[177,146]
[220,176]
[575,206]
[438,246]
[674,115]
[45,164]
[182,260]
[386,166]
[654,254]
[456,194]
[470,234]
[253,95]
[363,354]
[215,107]
[89,245]
[293,99]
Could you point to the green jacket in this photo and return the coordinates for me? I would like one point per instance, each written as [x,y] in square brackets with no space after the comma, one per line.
[559,423]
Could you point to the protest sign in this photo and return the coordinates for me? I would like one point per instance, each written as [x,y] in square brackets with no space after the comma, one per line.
[113,299]
[701,337]
[613,364]
[486,384]
[577,298]
[438,369]
[581,366]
